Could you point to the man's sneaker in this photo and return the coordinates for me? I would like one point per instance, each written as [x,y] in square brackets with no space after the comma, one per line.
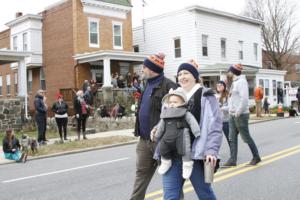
[228,164]
[254,161]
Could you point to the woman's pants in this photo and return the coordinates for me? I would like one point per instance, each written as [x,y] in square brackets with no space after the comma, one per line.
[62,126]
[173,182]
[81,122]
[13,156]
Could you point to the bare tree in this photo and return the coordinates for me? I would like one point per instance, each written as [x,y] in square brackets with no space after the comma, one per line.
[280,40]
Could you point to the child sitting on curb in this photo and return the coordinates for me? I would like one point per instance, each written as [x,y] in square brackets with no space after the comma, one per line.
[173,132]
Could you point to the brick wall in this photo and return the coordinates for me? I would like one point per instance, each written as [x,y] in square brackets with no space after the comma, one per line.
[5,39]
[105,29]
[58,49]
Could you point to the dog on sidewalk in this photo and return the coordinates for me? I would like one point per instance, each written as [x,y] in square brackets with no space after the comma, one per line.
[27,144]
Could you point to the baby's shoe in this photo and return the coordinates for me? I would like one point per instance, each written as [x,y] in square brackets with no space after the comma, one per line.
[187,168]
[164,166]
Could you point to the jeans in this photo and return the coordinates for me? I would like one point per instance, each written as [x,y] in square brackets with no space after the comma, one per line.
[13,156]
[226,131]
[240,125]
[173,182]
[41,121]
[145,168]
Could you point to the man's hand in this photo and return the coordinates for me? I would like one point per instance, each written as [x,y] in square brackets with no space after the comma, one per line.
[77,115]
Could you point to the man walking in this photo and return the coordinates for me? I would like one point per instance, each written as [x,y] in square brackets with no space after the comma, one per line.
[148,115]
[258,96]
[239,116]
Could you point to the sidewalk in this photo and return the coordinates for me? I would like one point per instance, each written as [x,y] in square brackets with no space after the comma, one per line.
[129,132]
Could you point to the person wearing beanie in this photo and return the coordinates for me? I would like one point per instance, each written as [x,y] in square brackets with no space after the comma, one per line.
[60,108]
[203,105]
[173,130]
[148,115]
[239,116]
[223,102]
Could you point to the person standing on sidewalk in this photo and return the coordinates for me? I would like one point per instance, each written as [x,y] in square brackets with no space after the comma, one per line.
[81,113]
[60,108]
[148,115]
[223,102]
[41,115]
[239,115]
[258,96]
[298,98]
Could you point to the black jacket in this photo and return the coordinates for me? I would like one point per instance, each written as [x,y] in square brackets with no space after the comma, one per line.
[155,108]
[15,145]
[40,108]
[60,108]
[77,106]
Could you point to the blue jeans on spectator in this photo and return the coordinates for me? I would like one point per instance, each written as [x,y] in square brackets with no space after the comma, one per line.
[240,125]
[13,156]
[173,182]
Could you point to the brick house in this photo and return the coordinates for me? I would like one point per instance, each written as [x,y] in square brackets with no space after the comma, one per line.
[69,42]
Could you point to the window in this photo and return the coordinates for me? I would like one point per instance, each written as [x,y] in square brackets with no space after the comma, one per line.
[16,83]
[117,34]
[223,47]
[136,48]
[274,88]
[261,82]
[94,32]
[0,85]
[267,87]
[25,42]
[8,84]
[204,45]
[297,68]
[29,80]
[15,43]
[269,64]
[255,45]
[177,48]
[241,50]
[42,79]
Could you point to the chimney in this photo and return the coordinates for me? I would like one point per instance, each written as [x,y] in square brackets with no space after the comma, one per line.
[19,14]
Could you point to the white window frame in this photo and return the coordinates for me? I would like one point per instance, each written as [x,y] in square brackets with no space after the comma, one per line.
[1,85]
[297,68]
[241,52]
[178,48]
[16,82]
[267,87]
[29,80]
[223,51]
[121,30]
[204,43]
[255,51]
[25,41]
[94,45]
[15,43]
[8,85]
[42,78]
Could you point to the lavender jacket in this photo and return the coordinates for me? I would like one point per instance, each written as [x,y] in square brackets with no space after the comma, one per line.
[211,128]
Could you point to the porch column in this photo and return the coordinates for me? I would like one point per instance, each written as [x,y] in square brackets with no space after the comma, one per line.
[106,73]
[22,79]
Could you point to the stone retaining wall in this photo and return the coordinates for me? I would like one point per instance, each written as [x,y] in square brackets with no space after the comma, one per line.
[11,112]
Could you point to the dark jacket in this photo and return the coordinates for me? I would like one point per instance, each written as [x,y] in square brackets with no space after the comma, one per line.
[60,108]
[155,104]
[39,105]
[15,145]
[77,106]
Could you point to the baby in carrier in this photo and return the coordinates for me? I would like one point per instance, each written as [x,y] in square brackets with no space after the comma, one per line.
[173,132]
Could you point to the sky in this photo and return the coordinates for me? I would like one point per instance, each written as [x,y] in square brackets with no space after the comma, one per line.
[152,8]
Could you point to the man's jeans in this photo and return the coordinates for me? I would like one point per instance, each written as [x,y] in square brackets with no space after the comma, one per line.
[145,168]
[173,182]
[240,125]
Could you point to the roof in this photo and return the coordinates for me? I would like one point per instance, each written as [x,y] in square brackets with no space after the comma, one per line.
[118,2]
[23,18]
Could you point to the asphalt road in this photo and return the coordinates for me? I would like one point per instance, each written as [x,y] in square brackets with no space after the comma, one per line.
[108,174]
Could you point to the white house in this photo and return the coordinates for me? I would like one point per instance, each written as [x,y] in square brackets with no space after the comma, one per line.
[216,39]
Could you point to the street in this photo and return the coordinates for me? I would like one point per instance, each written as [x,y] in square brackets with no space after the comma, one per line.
[108,174]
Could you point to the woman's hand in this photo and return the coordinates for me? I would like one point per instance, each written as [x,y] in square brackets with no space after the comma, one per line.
[13,150]
[152,134]
[212,159]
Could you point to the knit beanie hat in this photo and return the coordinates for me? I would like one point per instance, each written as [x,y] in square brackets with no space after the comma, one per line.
[190,66]
[178,92]
[155,63]
[59,96]
[223,83]
[236,69]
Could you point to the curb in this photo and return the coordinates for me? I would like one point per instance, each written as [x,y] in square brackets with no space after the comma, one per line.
[74,151]
[267,120]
